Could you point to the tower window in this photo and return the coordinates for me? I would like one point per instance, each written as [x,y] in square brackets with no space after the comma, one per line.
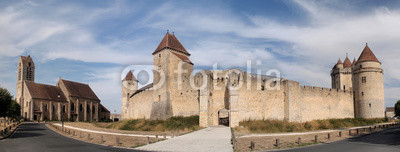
[159,97]
[363,79]
[29,64]
[369,105]
[362,93]
[159,55]
[262,88]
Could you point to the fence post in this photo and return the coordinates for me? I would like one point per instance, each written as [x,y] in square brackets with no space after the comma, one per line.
[349,132]
[340,134]
[165,136]
[88,137]
[157,138]
[316,139]
[299,141]
[277,142]
[73,133]
[357,131]
[172,135]
[329,136]
[117,141]
[101,139]
[252,145]
[148,140]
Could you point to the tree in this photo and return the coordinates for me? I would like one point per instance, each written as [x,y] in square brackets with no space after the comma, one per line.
[8,107]
[397,108]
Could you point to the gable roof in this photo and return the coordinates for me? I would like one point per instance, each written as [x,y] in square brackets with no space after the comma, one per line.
[104,109]
[367,55]
[171,42]
[130,76]
[26,60]
[80,90]
[45,92]
[347,63]
[182,57]
[354,62]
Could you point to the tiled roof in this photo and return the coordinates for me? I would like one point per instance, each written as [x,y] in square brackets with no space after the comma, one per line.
[170,41]
[142,89]
[347,63]
[45,92]
[354,62]
[130,76]
[183,57]
[27,59]
[80,90]
[339,62]
[389,109]
[103,109]
[367,55]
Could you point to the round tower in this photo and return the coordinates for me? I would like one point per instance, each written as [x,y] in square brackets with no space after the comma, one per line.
[129,87]
[335,74]
[368,86]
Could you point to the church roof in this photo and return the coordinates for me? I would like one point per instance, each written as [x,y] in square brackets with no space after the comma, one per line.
[45,92]
[347,63]
[171,42]
[103,109]
[130,76]
[182,57]
[80,90]
[367,55]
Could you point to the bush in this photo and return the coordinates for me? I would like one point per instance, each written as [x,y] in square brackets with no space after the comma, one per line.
[397,108]
[8,107]
[273,126]
[173,123]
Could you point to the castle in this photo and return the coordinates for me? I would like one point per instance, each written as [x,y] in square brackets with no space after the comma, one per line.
[67,100]
[229,96]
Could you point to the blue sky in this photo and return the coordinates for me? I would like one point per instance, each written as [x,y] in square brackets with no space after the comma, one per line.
[93,41]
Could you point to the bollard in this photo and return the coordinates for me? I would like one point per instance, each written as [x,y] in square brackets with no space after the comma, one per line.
[80,134]
[316,139]
[370,129]
[349,132]
[177,134]
[117,140]
[148,140]
[69,131]
[234,143]
[88,137]
[1,133]
[172,135]
[157,138]
[101,139]
[329,136]
[73,133]
[277,142]
[340,134]
[252,145]
[165,136]
[357,131]
[299,141]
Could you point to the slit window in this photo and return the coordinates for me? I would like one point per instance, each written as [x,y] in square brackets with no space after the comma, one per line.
[364,79]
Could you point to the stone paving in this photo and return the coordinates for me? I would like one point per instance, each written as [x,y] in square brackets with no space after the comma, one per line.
[207,140]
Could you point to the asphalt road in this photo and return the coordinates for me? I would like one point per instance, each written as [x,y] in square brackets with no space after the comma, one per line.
[384,141]
[33,137]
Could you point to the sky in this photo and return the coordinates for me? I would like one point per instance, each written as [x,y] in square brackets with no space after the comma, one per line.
[94,42]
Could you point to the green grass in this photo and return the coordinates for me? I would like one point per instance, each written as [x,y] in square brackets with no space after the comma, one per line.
[273,126]
[174,123]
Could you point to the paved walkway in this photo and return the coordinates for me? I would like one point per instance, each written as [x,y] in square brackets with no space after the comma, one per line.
[208,139]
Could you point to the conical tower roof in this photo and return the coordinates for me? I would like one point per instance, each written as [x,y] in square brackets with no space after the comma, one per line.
[339,61]
[347,63]
[170,41]
[354,62]
[130,76]
[367,55]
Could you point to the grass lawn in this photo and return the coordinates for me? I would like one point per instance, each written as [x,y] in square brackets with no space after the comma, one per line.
[274,126]
[174,123]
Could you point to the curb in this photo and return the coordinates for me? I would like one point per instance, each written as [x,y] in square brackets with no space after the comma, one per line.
[11,132]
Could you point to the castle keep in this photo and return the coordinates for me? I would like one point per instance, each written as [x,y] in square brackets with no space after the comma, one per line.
[67,100]
[230,96]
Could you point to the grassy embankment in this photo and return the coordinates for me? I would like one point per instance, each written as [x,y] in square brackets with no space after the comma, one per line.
[274,126]
[174,123]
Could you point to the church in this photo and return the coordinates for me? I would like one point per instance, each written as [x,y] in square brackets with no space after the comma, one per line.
[67,100]
[229,96]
